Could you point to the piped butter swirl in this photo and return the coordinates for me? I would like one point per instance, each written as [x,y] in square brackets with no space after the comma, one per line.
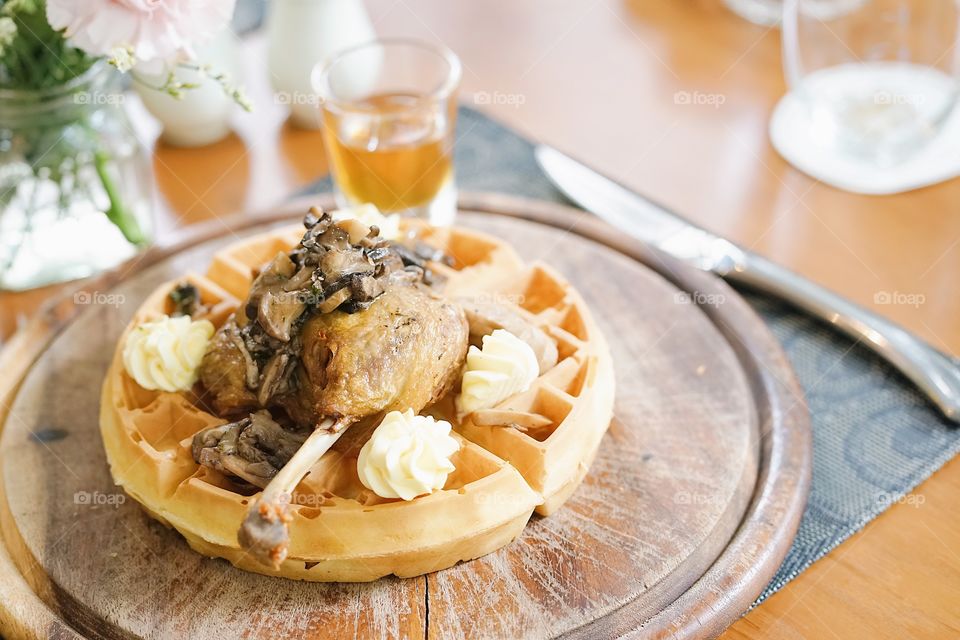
[407,456]
[369,215]
[505,366]
[164,354]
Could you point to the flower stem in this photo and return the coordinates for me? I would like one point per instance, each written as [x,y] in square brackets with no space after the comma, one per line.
[117,213]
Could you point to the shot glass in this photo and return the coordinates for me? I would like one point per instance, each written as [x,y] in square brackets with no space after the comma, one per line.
[389,112]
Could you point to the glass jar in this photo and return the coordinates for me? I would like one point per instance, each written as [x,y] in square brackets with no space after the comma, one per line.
[75,182]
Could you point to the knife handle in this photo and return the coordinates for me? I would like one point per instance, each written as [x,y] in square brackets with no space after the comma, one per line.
[937,375]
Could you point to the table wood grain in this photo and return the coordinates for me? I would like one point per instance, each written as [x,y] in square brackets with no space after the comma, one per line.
[608,81]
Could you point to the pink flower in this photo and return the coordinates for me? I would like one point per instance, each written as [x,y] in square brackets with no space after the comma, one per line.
[154,30]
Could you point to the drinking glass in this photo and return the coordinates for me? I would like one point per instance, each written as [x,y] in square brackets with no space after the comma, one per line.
[389,111]
[879,79]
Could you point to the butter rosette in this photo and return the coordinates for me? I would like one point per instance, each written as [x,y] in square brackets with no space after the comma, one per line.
[407,456]
[506,365]
[164,355]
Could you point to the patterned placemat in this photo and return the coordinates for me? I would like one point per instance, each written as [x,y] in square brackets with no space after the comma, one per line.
[874,436]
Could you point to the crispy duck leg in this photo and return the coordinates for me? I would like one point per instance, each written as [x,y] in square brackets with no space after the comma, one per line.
[405,351]
[264,531]
[340,328]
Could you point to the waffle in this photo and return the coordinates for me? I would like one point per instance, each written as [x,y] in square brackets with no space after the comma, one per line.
[340,530]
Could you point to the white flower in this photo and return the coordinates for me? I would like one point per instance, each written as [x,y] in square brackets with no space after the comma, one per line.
[154,30]
[122,58]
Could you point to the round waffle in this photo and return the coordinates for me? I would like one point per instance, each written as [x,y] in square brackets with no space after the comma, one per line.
[340,530]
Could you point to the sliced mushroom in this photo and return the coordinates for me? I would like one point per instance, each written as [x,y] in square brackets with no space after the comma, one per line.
[432,254]
[409,256]
[355,229]
[251,370]
[253,449]
[335,300]
[386,260]
[300,280]
[332,238]
[276,377]
[521,420]
[278,311]
[277,272]
[365,287]
[271,278]
[186,299]
[338,264]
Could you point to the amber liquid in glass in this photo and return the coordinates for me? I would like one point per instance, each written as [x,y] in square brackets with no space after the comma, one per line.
[389,153]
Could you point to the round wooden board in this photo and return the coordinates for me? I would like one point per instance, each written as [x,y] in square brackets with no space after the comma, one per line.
[687,511]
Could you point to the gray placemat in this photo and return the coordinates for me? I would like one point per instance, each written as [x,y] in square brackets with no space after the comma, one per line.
[874,436]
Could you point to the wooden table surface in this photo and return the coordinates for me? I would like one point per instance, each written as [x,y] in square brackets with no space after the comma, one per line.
[672,97]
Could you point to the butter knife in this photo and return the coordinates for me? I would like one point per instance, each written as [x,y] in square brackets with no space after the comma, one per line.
[937,375]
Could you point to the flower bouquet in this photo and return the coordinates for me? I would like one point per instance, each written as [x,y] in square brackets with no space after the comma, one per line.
[75,182]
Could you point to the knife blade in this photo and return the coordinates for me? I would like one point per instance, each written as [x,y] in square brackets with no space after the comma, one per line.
[936,374]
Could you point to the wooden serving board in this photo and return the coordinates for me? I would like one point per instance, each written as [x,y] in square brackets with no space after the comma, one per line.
[689,508]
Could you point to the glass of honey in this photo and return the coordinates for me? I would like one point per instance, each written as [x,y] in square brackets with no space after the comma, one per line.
[389,111]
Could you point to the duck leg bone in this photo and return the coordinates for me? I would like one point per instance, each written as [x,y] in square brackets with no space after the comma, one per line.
[263,533]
